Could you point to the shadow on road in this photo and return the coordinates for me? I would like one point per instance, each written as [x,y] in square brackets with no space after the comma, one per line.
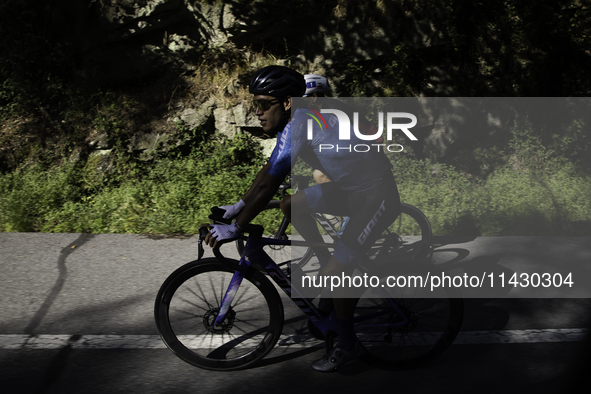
[59,284]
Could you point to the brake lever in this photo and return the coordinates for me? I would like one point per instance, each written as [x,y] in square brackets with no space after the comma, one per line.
[216,217]
[203,231]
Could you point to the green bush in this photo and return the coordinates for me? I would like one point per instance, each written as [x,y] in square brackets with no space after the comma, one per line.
[167,196]
[27,195]
[534,190]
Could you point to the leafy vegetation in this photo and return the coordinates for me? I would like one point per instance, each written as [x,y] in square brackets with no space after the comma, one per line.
[169,195]
[533,192]
[54,105]
[537,187]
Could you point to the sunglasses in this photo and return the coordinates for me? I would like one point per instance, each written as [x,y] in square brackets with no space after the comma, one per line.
[264,104]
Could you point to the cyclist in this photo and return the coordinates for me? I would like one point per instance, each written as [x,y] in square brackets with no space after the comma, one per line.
[363,188]
[318,86]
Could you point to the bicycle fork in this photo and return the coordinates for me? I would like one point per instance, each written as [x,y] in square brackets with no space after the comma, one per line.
[232,290]
[234,283]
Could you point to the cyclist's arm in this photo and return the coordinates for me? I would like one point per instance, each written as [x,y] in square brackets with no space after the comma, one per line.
[270,177]
[260,193]
[256,182]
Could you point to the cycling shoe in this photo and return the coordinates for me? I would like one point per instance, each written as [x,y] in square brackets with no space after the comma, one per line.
[337,357]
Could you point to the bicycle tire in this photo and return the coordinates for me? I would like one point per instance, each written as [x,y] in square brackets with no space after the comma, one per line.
[409,237]
[187,304]
[433,325]
[282,254]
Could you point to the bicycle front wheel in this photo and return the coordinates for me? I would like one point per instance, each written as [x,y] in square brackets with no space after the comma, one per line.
[187,306]
[432,326]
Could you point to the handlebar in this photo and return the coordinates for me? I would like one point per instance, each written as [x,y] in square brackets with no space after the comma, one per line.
[254,230]
[217,215]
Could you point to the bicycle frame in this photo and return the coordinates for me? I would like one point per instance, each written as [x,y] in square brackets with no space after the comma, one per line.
[328,227]
[254,253]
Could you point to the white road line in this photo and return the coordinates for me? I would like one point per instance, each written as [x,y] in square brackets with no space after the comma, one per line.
[46,341]
[522,336]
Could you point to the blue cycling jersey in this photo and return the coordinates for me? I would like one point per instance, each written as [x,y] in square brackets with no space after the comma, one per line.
[354,164]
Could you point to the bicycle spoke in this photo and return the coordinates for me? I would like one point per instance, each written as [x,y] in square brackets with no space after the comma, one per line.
[218,302]
[202,297]
[191,303]
[223,289]
[239,296]
[254,308]
[247,323]
[243,301]
[191,314]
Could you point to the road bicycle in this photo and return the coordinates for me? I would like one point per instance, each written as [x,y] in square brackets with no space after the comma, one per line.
[409,237]
[222,314]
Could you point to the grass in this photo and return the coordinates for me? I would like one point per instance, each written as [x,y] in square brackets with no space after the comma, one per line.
[173,194]
[169,195]
[507,203]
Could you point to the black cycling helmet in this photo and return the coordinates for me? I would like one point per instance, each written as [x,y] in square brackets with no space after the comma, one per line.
[277,81]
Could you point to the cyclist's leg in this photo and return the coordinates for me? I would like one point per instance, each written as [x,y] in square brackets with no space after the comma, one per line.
[371,212]
[323,198]
[321,253]
[286,207]
[320,177]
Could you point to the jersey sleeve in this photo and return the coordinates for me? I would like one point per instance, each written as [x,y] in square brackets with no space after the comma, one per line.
[289,143]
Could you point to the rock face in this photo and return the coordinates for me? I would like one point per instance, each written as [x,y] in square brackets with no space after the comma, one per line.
[366,48]
[133,40]
[314,34]
[126,41]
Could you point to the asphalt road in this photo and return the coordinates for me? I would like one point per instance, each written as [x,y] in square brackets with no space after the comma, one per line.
[77,316]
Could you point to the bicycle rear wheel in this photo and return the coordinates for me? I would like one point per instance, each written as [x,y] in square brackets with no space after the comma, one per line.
[409,237]
[433,324]
[188,303]
[283,255]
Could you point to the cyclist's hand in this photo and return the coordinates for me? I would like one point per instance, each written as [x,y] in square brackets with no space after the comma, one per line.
[232,210]
[221,232]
